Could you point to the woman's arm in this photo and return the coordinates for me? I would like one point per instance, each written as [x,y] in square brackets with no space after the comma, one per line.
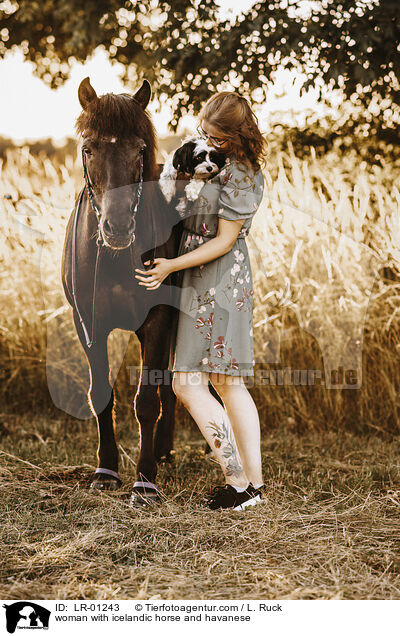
[210,250]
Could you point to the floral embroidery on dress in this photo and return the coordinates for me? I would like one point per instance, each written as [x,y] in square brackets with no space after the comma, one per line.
[204,229]
[219,346]
[239,256]
[245,301]
[227,178]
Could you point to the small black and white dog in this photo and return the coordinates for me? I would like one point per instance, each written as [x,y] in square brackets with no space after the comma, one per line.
[195,158]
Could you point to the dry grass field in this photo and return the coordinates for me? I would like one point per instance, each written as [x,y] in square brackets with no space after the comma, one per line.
[325,250]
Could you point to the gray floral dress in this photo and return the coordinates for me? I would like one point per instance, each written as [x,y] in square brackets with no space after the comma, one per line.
[214,328]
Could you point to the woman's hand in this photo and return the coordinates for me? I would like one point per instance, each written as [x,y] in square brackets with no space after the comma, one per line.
[155,276]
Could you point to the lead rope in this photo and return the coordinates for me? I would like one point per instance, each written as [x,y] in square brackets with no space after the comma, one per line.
[99,243]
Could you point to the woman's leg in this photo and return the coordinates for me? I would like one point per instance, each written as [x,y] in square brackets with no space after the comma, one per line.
[192,390]
[243,415]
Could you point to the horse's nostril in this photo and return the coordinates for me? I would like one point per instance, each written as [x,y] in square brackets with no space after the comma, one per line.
[108,228]
[112,229]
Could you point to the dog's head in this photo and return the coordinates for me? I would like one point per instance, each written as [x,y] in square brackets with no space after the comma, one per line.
[195,158]
[198,159]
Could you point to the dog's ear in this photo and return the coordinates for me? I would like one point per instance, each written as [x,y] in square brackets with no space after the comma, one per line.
[182,160]
[219,158]
[167,180]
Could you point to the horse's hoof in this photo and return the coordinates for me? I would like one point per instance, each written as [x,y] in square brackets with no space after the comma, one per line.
[143,497]
[142,501]
[106,483]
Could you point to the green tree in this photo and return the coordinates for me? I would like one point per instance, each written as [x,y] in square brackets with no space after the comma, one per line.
[186,52]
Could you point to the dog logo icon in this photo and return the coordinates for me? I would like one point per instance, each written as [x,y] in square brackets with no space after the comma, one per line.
[26,615]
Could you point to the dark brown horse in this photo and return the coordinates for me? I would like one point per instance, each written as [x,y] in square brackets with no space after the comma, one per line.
[119,219]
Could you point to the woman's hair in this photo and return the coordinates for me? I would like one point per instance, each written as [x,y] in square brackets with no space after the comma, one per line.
[231,115]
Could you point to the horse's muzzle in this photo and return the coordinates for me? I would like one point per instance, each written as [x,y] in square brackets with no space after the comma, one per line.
[117,240]
[117,243]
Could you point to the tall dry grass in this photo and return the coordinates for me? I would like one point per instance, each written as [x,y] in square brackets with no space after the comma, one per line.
[325,236]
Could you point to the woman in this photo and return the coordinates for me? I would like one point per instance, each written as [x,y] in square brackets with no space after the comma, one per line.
[214,337]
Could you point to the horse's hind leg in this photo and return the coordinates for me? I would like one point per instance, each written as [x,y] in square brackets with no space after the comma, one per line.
[164,435]
[147,410]
[101,400]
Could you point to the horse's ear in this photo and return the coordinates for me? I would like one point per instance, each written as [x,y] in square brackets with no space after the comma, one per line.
[143,94]
[86,93]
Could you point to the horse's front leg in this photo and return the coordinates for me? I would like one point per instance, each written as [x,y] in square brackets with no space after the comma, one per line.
[101,401]
[147,411]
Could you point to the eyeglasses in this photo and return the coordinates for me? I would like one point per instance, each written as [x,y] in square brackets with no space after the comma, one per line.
[217,140]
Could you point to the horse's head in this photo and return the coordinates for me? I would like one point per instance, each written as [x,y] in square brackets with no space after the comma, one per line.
[116,131]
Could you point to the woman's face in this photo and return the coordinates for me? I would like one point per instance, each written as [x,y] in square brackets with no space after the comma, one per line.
[219,141]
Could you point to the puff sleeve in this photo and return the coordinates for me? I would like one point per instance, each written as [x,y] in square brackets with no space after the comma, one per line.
[241,192]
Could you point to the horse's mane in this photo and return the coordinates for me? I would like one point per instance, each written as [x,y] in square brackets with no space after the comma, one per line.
[121,116]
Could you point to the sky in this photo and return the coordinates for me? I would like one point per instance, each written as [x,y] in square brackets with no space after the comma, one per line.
[32,110]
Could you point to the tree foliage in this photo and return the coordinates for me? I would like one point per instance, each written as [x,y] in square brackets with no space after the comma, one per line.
[187,52]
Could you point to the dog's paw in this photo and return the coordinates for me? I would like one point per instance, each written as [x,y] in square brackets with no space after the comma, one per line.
[168,188]
[193,188]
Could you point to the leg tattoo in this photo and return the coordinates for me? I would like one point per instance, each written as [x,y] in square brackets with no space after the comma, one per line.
[223,436]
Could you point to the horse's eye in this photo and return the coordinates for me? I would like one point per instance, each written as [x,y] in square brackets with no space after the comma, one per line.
[87,151]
